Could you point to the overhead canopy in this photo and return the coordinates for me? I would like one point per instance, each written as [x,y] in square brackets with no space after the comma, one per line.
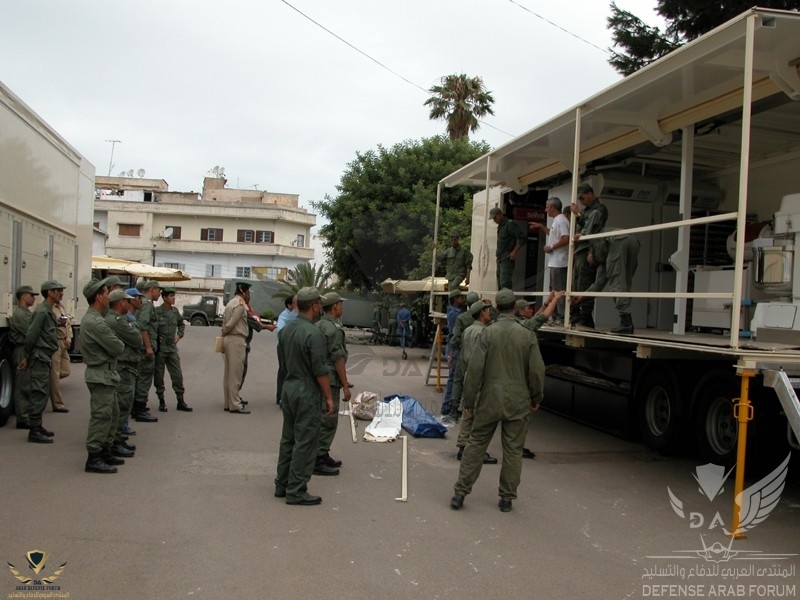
[700,81]
[119,266]
[402,286]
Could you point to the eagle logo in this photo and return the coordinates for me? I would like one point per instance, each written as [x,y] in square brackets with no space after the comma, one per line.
[36,562]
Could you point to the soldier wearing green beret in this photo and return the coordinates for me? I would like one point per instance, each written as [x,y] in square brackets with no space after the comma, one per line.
[147,323]
[306,394]
[170,332]
[41,342]
[100,349]
[331,327]
[504,382]
[18,324]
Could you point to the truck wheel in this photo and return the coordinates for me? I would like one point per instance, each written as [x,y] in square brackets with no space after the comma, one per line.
[715,426]
[659,407]
[199,322]
[6,384]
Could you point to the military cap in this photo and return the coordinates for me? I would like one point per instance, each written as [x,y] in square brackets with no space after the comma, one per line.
[152,284]
[25,289]
[92,287]
[476,307]
[520,304]
[140,284]
[52,284]
[308,294]
[454,234]
[330,299]
[472,297]
[243,283]
[583,188]
[166,291]
[133,292]
[117,295]
[454,293]
[114,280]
[505,297]
[494,212]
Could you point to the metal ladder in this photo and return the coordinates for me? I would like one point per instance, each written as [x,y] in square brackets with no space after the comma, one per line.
[782,384]
[437,364]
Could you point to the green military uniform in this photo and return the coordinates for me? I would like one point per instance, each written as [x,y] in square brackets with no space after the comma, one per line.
[392,333]
[304,353]
[509,235]
[617,258]
[535,322]
[127,367]
[100,349]
[463,322]
[457,262]
[592,220]
[504,379]
[41,342]
[470,340]
[336,348]
[18,324]
[146,320]
[170,324]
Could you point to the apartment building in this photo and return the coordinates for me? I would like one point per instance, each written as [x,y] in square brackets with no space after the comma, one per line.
[212,236]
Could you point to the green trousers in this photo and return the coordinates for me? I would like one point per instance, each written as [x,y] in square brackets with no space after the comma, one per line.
[39,390]
[144,381]
[126,389]
[22,387]
[103,417]
[299,443]
[513,440]
[465,429]
[172,362]
[585,274]
[505,269]
[329,424]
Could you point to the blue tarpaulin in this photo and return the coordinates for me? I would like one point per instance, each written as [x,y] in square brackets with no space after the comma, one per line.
[416,420]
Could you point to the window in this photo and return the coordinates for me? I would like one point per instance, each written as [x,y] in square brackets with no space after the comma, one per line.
[300,242]
[245,235]
[129,230]
[211,235]
[170,265]
[176,231]
[243,272]
[265,237]
[273,272]
[213,270]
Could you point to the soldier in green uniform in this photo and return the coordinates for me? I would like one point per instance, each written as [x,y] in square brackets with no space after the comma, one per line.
[127,364]
[147,323]
[331,327]
[463,320]
[458,262]
[510,240]
[18,325]
[504,382]
[100,349]
[306,395]
[592,217]
[170,332]
[41,342]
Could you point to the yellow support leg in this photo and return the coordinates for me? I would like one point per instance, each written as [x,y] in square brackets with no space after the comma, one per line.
[743,412]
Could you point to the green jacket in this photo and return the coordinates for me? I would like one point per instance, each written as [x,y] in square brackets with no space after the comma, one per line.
[41,341]
[457,261]
[336,345]
[509,234]
[535,322]
[147,320]
[130,336]
[592,220]
[303,350]
[170,323]
[463,322]
[18,326]
[505,371]
[100,349]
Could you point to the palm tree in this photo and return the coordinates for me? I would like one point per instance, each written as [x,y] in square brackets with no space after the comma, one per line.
[461,101]
[304,275]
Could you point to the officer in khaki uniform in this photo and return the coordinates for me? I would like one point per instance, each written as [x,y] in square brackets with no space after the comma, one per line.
[234,340]
[331,327]
[170,332]
[41,342]
[100,349]
[127,364]
[59,368]
[306,395]
[504,382]
[18,325]
[147,323]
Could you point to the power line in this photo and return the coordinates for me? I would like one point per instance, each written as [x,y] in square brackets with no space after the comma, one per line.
[557,26]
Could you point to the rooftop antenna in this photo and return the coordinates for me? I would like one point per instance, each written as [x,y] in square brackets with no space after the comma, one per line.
[111,160]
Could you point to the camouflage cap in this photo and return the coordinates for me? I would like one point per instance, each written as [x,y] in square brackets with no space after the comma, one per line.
[330,299]
[308,294]
[505,297]
[25,289]
[52,284]
[476,307]
[152,284]
[118,295]
[472,297]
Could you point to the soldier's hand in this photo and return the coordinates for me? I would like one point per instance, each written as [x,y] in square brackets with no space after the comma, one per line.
[347,393]
[329,406]
[534,407]
[149,352]
[23,364]
[270,327]
[177,339]
[467,413]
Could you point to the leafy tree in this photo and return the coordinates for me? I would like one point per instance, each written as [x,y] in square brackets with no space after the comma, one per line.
[304,275]
[686,19]
[381,222]
[461,101]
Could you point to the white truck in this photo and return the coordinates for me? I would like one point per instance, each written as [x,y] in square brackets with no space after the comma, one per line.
[690,154]
[46,200]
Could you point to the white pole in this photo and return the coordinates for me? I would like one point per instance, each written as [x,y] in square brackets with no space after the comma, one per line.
[573,195]
[404,492]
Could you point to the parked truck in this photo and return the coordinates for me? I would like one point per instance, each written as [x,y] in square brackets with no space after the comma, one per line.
[46,200]
[698,156]
[203,313]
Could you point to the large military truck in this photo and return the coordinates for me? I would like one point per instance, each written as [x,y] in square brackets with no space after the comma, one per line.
[46,200]
[207,311]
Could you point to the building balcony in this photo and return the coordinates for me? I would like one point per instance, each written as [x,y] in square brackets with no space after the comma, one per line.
[230,248]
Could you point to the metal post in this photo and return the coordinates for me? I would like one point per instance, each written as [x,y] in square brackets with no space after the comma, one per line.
[576,165]
[743,412]
[435,240]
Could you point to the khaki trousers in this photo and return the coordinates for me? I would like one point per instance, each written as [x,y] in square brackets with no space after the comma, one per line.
[235,352]
[59,369]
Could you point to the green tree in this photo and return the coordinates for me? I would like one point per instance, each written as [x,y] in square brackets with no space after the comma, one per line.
[461,101]
[381,222]
[641,44]
[305,275]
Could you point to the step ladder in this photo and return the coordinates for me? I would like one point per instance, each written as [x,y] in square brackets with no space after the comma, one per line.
[784,388]
[437,362]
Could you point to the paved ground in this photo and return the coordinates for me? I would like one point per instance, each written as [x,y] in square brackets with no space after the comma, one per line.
[193,515]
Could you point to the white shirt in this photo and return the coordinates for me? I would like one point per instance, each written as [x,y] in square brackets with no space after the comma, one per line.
[558,257]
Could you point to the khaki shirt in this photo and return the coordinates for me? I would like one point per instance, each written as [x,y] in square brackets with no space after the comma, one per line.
[234,319]
[100,349]
[64,332]
[336,346]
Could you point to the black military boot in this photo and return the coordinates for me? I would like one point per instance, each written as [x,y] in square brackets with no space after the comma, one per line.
[162,406]
[625,325]
[183,406]
[109,458]
[117,449]
[37,435]
[95,464]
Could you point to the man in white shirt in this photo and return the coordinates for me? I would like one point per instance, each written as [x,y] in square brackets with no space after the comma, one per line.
[557,250]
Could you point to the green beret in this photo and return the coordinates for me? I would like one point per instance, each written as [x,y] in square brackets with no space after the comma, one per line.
[117,295]
[152,284]
[308,294]
[476,307]
[52,284]
[243,283]
[505,297]
[330,299]
[584,188]
[92,287]
[454,293]
[166,291]
[494,212]
[472,298]
[25,289]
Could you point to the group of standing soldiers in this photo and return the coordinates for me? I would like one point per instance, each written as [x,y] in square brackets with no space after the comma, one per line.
[126,343]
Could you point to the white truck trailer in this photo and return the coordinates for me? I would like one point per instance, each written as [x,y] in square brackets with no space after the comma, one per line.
[687,154]
[46,200]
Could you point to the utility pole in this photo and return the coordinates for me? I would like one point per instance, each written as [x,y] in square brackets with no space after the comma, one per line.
[111,160]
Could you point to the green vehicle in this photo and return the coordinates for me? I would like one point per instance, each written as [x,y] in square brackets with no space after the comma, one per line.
[204,313]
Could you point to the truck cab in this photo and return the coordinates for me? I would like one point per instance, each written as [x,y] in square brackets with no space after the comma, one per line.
[203,313]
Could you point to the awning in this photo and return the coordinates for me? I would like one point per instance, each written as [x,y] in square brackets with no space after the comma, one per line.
[116,265]
[403,286]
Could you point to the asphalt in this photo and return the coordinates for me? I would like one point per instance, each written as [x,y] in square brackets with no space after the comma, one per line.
[192,515]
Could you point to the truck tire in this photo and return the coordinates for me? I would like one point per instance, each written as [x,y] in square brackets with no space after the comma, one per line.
[6,383]
[715,426]
[659,408]
[199,321]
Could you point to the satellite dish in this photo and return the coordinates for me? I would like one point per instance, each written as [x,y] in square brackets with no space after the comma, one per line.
[221,171]
[130,173]
[140,173]
[168,232]
[122,174]
[215,170]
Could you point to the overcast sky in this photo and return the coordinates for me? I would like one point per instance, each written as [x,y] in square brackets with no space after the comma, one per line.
[256,87]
